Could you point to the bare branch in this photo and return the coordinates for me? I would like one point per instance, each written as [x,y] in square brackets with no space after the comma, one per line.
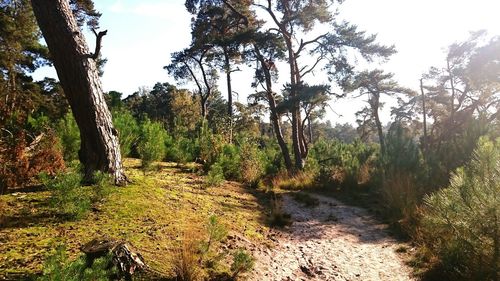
[98,36]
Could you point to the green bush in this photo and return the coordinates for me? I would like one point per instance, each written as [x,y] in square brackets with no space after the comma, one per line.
[128,130]
[182,149]
[210,146]
[68,196]
[404,175]
[345,165]
[229,160]
[253,163]
[69,135]
[242,262]
[59,268]
[462,222]
[151,145]
[215,176]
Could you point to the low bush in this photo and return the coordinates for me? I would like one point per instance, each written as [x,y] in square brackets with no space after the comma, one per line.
[128,130]
[242,262]
[461,222]
[59,268]
[343,165]
[69,136]
[215,176]
[298,181]
[68,196]
[252,164]
[151,145]
[186,261]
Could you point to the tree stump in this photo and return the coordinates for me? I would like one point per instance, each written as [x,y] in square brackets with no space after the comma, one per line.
[124,258]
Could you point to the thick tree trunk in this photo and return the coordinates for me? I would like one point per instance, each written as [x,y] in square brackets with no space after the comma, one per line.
[77,71]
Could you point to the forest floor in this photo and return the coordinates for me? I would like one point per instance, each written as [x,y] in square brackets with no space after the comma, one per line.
[327,240]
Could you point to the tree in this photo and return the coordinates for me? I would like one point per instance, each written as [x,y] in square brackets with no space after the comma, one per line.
[77,71]
[266,49]
[293,19]
[191,65]
[374,84]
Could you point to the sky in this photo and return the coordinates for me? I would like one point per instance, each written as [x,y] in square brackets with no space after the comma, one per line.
[142,35]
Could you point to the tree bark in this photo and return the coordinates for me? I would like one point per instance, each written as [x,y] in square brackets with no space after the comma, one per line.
[424,117]
[227,67]
[78,74]
[380,131]
[273,112]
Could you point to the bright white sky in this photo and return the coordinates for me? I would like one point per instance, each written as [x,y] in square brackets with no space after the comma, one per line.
[143,34]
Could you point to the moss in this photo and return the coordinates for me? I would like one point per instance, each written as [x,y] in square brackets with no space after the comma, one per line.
[152,213]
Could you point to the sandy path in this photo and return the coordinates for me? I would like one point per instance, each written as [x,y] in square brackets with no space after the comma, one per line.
[331,241]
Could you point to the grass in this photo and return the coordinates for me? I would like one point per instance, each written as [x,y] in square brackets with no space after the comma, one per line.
[151,213]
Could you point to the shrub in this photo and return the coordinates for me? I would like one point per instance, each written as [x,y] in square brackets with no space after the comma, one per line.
[69,134]
[298,181]
[210,146]
[229,160]
[68,196]
[59,268]
[252,163]
[461,222]
[343,164]
[72,199]
[216,232]
[215,176]
[182,149]
[152,143]
[128,130]
[402,189]
[185,263]
[242,262]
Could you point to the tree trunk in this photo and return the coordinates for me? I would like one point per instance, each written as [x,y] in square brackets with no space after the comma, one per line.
[77,71]
[425,119]
[274,114]
[379,126]
[229,94]
[295,110]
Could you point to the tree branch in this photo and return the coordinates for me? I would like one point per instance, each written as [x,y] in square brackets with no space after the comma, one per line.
[98,36]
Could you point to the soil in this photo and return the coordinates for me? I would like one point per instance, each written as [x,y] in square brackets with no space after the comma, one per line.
[331,241]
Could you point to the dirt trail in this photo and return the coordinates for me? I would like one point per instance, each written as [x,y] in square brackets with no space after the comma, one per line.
[331,241]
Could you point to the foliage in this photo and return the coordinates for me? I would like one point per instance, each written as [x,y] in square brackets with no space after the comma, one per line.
[231,161]
[215,176]
[128,130]
[68,196]
[182,149]
[185,262]
[344,165]
[252,163]
[297,181]
[210,145]
[461,221]
[59,268]
[405,177]
[151,146]
[21,162]
[69,135]
[242,262]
